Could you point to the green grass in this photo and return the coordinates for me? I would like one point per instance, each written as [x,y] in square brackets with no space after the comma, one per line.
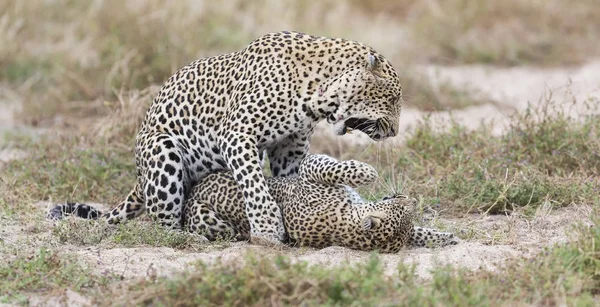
[561,274]
[45,272]
[553,159]
[64,168]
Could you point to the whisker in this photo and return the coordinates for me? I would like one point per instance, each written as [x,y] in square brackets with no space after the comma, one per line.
[359,126]
[363,152]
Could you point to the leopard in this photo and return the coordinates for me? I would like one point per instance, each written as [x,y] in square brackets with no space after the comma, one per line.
[320,208]
[222,112]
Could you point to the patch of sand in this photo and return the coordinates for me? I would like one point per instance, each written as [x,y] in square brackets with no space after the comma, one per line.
[496,240]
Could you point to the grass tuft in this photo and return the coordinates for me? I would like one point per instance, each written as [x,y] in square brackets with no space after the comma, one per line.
[131,234]
[44,272]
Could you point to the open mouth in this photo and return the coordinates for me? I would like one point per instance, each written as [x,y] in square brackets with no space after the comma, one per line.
[376,129]
[368,126]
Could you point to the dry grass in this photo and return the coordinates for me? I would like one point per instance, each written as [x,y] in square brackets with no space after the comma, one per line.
[125,117]
[512,32]
[139,232]
[44,271]
[75,55]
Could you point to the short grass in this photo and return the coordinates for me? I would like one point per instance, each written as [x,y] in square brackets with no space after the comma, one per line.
[564,274]
[137,233]
[66,168]
[44,272]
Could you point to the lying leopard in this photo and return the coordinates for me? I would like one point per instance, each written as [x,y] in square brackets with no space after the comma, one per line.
[219,113]
[319,207]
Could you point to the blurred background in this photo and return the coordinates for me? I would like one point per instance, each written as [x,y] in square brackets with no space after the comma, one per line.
[64,59]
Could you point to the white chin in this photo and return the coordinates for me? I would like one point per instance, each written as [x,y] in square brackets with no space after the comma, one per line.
[339,128]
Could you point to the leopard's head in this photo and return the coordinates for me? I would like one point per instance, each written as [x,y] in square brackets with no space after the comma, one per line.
[367,97]
[389,223]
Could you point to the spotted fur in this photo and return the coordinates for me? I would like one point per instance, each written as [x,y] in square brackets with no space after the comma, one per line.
[320,208]
[219,113]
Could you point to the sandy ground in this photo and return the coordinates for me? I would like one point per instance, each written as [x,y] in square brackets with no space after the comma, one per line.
[489,241]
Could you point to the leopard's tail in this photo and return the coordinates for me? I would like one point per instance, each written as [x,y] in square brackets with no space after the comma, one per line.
[128,209]
[76,209]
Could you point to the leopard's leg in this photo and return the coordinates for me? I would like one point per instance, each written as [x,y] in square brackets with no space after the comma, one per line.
[200,218]
[241,154]
[286,156]
[328,170]
[427,237]
[163,178]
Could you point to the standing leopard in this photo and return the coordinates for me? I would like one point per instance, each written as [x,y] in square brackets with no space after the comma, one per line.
[320,208]
[221,112]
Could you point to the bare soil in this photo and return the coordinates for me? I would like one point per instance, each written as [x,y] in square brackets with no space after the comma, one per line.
[496,239]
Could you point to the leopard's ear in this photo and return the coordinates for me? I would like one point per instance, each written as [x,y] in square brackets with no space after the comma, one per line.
[373,63]
[372,221]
